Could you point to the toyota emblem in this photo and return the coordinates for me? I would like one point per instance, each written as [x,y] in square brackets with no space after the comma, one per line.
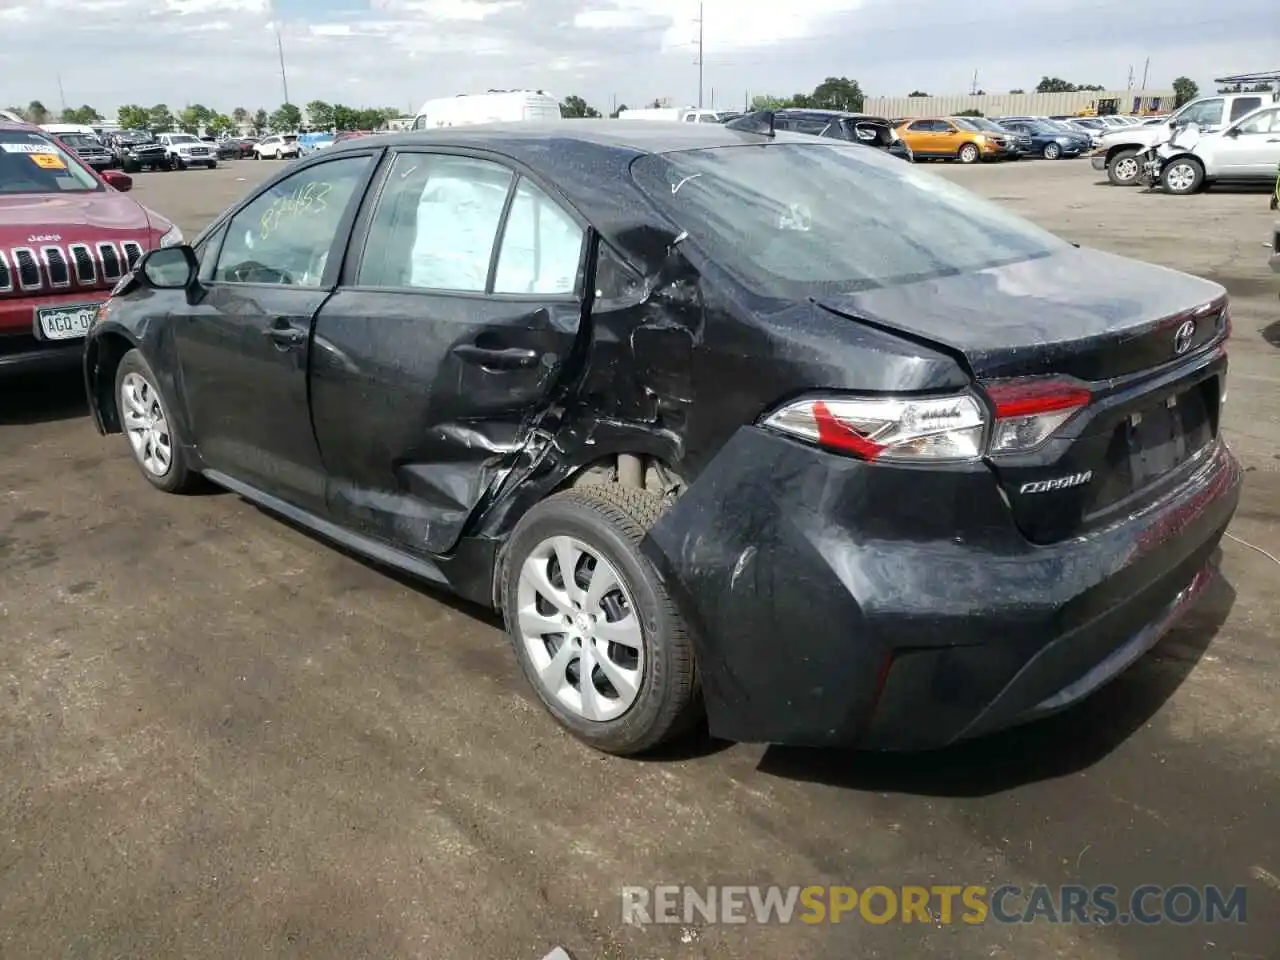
[1182,339]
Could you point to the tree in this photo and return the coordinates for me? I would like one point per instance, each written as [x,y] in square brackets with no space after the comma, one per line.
[766,102]
[970,113]
[1058,85]
[577,108]
[1184,91]
[160,119]
[320,114]
[260,121]
[220,125]
[837,93]
[189,120]
[240,115]
[285,119]
[916,93]
[1016,90]
[36,112]
[84,114]
[133,117]
[614,115]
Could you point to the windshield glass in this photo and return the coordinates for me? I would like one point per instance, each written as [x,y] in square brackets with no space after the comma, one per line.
[77,140]
[982,123]
[964,123]
[1041,127]
[32,163]
[792,220]
[183,138]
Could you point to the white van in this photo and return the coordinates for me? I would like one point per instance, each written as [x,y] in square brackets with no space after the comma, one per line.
[504,107]
[677,114]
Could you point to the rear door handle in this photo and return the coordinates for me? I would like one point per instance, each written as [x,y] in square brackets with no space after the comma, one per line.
[497,358]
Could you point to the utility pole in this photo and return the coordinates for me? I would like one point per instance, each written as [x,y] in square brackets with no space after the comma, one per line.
[699,55]
[1130,87]
[973,88]
[284,80]
[61,93]
[1145,67]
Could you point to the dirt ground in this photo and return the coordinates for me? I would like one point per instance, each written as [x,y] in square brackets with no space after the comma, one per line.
[222,738]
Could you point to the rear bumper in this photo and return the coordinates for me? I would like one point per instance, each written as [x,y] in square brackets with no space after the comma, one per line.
[836,602]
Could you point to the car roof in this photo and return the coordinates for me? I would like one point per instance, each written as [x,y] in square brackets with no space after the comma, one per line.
[826,114]
[25,127]
[587,161]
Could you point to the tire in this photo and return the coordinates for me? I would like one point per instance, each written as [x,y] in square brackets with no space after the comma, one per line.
[1123,169]
[134,373]
[969,154]
[1052,151]
[129,167]
[601,523]
[213,164]
[1182,176]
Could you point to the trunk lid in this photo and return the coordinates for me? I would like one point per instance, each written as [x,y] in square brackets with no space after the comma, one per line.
[1118,325]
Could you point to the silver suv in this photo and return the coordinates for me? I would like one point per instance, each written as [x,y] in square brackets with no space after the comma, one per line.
[1117,153]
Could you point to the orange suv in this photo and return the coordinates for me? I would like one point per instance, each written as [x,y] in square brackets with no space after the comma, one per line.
[936,138]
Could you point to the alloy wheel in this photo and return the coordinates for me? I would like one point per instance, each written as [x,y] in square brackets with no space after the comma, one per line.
[1127,169]
[1052,151]
[968,153]
[580,630]
[145,424]
[1181,177]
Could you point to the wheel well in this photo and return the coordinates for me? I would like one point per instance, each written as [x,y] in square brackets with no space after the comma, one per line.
[107,352]
[1112,151]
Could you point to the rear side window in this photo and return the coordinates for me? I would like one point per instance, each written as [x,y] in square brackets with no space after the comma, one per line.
[793,220]
[435,224]
[1205,113]
[541,246]
[1244,105]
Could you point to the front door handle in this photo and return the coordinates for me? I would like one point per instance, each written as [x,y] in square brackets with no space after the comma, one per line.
[497,358]
[284,335]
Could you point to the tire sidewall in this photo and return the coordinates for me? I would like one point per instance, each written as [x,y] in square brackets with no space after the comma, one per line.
[135,362]
[968,153]
[575,519]
[1052,151]
[1116,161]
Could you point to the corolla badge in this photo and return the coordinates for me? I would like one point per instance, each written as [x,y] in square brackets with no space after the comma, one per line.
[1183,337]
[44,238]
[1057,483]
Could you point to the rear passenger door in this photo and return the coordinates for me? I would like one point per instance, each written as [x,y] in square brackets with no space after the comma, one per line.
[455,320]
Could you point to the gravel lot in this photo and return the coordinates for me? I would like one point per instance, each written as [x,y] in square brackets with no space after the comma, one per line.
[222,738]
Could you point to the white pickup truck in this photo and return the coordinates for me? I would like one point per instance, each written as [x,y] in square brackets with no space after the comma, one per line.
[187,150]
[1117,152]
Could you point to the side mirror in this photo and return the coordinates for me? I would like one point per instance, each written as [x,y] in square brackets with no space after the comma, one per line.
[119,181]
[169,268]
[1233,132]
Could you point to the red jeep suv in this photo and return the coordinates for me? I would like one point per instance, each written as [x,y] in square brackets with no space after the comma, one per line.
[67,236]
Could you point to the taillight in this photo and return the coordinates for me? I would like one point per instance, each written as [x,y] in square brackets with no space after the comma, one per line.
[1029,411]
[927,428]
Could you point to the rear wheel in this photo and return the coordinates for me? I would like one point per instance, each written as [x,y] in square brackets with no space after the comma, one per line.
[1123,168]
[593,626]
[1182,176]
[1052,151]
[969,153]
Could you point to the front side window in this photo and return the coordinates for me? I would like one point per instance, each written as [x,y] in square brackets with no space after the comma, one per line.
[1268,121]
[32,163]
[435,224]
[792,220]
[921,126]
[284,234]
[541,246]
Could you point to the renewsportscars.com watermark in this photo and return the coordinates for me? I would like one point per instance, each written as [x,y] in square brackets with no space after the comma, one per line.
[937,905]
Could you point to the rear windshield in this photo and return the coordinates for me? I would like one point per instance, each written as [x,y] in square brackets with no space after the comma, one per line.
[792,220]
[32,163]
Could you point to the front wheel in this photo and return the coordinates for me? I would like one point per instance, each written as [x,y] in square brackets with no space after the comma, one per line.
[969,153]
[594,627]
[1182,176]
[146,421]
[213,164]
[1123,168]
[1052,151]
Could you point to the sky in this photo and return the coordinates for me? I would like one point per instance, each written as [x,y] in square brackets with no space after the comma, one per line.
[398,53]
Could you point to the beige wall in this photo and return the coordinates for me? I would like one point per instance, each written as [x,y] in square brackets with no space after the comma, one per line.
[1010,104]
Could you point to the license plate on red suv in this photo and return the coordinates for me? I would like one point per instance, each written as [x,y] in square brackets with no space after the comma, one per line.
[68,322]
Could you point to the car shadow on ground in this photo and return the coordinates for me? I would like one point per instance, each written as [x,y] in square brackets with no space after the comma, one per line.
[44,399]
[1057,746]
[1271,334]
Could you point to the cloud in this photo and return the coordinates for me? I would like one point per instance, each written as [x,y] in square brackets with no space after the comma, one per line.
[401,52]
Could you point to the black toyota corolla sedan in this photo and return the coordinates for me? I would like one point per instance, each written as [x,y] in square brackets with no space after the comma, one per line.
[779,430]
